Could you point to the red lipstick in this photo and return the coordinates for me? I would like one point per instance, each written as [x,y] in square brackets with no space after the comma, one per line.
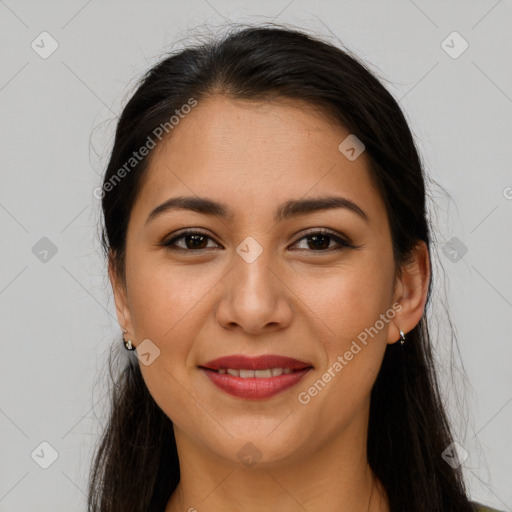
[255,378]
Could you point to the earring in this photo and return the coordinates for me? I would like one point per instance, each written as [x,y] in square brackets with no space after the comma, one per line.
[402,338]
[127,344]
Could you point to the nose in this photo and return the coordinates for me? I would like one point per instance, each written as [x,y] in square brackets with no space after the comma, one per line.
[255,297]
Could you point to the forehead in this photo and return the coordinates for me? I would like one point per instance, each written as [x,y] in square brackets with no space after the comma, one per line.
[254,154]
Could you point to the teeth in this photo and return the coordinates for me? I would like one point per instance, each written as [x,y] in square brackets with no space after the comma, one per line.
[260,374]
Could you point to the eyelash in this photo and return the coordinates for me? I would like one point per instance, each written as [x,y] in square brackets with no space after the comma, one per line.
[343,244]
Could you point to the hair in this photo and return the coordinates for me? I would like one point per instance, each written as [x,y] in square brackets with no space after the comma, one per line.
[136,466]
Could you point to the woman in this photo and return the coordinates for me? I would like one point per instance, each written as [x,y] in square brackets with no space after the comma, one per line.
[269,251]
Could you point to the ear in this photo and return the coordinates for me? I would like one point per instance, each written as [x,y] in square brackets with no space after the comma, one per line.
[411,289]
[120,298]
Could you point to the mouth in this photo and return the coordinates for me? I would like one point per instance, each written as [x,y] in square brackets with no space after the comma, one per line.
[255,378]
[251,374]
[263,362]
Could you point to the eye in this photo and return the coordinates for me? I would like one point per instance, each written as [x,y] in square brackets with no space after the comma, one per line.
[196,241]
[193,241]
[321,239]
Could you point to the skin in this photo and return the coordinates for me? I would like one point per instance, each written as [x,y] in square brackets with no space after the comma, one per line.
[294,300]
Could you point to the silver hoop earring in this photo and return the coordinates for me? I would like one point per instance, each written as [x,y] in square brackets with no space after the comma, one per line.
[128,344]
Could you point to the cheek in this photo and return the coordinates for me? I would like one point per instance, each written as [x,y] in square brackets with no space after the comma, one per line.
[345,302]
[164,299]
[349,306]
[167,309]
[169,305]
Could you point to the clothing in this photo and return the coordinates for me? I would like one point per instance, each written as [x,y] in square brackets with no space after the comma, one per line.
[483,508]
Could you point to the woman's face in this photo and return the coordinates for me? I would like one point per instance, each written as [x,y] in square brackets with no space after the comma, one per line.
[257,281]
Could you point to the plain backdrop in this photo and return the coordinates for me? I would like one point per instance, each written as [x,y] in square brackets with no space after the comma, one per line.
[58,115]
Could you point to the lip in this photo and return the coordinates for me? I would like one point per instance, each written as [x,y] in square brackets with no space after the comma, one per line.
[263,362]
[254,388]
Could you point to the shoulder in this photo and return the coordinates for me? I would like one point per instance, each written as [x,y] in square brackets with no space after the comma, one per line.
[478,507]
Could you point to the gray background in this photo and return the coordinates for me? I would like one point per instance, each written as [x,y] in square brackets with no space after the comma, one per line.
[57,122]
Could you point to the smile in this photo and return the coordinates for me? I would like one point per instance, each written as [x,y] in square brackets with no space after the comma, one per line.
[249,385]
[255,378]
[260,374]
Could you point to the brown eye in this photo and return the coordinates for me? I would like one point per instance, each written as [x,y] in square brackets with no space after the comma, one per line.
[197,241]
[193,241]
[319,241]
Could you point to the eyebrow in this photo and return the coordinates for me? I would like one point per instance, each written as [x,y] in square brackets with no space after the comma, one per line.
[287,210]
